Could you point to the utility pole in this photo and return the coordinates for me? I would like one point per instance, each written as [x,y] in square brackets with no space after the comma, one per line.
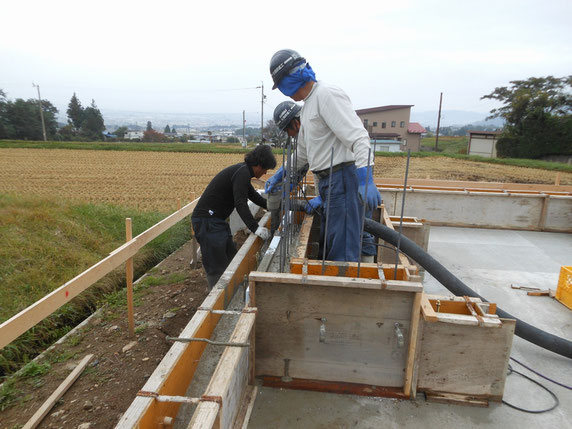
[262,115]
[438,123]
[243,129]
[41,111]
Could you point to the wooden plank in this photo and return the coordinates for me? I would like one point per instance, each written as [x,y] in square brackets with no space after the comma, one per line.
[231,375]
[467,360]
[403,260]
[358,344]
[35,313]
[304,237]
[413,332]
[206,416]
[427,309]
[344,282]
[454,399]
[247,405]
[347,269]
[129,281]
[36,419]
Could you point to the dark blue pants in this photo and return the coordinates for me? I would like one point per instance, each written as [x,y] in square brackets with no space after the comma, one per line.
[342,215]
[217,247]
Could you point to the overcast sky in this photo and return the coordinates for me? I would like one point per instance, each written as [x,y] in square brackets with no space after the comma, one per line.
[198,56]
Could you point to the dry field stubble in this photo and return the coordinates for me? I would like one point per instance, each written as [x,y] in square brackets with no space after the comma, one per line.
[155,180]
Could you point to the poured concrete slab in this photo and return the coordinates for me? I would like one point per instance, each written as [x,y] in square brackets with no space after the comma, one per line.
[488,261]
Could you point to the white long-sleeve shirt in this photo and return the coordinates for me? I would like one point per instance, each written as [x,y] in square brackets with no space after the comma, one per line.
[328,120]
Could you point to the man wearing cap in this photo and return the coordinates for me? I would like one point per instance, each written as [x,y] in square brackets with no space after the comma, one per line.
[229,189]
[328,122]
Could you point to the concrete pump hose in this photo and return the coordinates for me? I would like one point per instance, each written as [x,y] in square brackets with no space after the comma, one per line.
[523,330]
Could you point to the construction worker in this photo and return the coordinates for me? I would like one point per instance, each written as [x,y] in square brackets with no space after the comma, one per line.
[229,189]
[331,137]
[287,118]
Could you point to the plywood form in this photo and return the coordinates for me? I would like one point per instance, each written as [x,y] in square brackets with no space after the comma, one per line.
[359,344]
[465,359]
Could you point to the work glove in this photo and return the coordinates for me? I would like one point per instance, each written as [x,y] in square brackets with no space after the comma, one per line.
[313,204]
[263,233]
[272,183]
[373,197]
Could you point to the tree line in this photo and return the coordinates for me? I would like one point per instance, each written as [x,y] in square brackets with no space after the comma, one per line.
[20,120]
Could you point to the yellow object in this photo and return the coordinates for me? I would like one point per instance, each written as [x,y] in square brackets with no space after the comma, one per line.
[564,289]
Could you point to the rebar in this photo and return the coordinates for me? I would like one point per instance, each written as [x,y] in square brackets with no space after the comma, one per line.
[364,201]
[401,217]
[327,211]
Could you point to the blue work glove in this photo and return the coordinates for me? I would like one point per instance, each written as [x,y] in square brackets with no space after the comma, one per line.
[313,204]
[373,198]
[272,183]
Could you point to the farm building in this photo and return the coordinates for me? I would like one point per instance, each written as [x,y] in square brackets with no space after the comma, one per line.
[483,143]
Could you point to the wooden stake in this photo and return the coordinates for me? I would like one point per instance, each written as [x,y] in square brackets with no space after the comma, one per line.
[178,204]
[557,180]
[129,280]
[58,393]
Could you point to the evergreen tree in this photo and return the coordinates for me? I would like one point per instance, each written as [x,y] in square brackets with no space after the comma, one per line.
[149,126]
[75,112]
[173,130]
[167,129]
[93,125]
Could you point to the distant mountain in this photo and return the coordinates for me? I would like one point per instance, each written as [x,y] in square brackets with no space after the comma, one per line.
[453,118]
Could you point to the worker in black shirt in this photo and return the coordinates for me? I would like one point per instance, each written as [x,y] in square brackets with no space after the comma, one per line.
[230,189]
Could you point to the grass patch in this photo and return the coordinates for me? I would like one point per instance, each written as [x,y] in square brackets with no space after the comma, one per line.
[129,146]
[447,144]
[47,242]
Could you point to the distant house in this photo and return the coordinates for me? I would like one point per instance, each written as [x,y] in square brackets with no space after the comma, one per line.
[391,123]
[483,143]
[133,135]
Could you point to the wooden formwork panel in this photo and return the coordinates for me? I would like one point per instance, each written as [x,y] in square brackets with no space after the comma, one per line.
[335,330]
[465,359]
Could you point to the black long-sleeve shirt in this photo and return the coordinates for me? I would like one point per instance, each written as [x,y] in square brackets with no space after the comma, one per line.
[229,189]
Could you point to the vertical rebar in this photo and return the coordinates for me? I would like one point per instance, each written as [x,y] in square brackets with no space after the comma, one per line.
[282,248]
[363,211]
[401,218]
[327,211]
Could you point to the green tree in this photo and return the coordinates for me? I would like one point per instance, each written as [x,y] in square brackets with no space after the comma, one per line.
[149,126]
[21,120]
[538,115]
[173,130]
[93,125]
[167,129]
[75,112]
[120,132]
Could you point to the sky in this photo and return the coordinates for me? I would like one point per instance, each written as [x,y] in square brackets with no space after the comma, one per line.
[209,56]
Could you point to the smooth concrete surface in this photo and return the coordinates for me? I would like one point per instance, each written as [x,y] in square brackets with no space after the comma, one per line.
[488,261]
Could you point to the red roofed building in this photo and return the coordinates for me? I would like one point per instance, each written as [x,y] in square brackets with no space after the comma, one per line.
[392,123]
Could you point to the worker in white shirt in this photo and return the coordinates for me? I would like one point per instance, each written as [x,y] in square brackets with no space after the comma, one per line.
[329,122]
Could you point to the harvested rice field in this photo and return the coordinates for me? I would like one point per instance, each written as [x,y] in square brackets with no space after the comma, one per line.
[156,180]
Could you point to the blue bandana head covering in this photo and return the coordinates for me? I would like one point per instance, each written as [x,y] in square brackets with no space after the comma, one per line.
[293,81]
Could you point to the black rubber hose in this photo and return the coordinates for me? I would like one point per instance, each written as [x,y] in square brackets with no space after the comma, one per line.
[523,330]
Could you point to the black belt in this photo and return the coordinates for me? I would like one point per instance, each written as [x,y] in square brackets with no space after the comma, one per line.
[325,173]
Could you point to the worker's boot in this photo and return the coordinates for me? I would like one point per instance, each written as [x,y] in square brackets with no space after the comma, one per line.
[212,279]
[367,258]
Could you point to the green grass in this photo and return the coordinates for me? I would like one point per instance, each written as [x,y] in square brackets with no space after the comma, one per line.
[45,243]
[447,144]
[128,146]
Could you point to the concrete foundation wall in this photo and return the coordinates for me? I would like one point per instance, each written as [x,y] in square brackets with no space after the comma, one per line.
[481,209]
